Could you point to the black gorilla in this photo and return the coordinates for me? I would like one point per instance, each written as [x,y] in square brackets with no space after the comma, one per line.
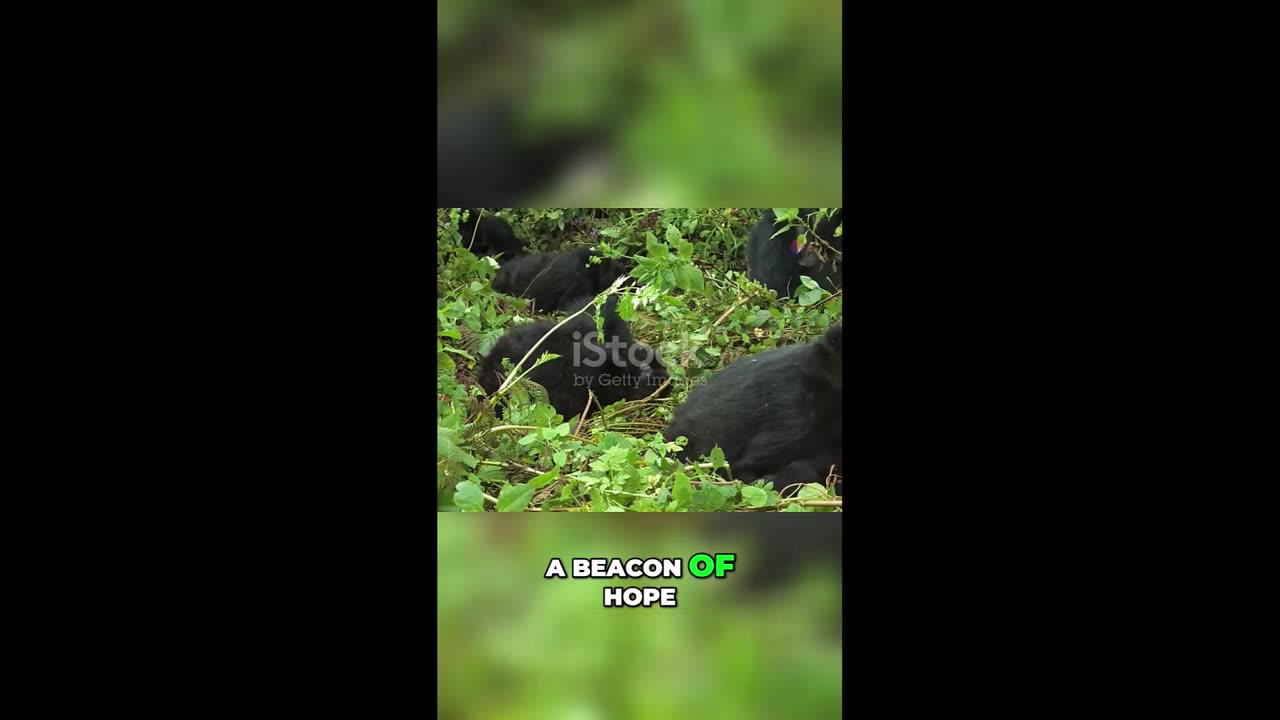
[481,155]
[776,263]
[617,369]
[776,414]
[553,280]
[489,235]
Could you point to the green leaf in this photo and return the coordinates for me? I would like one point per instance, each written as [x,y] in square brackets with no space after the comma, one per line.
[444,442]
[810,295]
[688,277]
[515,498]
[491,473]
[812,491]
[708,499]
[682,489]
[560,457]
[468,497]
[684,249]
[545,478]
[682,277]
[673,234]
[754,496]
[717,457]
[656,249]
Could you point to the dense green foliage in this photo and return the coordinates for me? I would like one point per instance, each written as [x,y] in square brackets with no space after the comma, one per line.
[692,302]
[710,103]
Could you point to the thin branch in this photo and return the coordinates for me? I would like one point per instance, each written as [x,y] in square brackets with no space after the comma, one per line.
[516,369]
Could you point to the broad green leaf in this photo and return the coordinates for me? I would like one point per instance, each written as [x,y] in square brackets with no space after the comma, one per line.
[545,478]
[717,457]
[682,489]
[754,496]
[684,249]
[690,277]
[708,499]
[812,491]
[468,497]
[515,498]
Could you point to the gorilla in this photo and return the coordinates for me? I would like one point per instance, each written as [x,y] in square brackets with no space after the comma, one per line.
[489,235]
[617,369]
[555,280]
[776,263]
[482,155]
[776,414]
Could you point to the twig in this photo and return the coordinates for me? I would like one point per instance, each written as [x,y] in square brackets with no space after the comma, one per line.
[515,371]
[733,307]
[816,503]
[508,427]
[518,466]
[575,436]
[591,395]
[833,296]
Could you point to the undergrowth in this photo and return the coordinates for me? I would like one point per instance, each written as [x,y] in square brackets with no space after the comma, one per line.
[691,301]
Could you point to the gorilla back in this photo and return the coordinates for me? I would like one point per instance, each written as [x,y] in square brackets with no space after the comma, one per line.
[777,263]
[489,235]
[615,369]
[553,280]
[776,414]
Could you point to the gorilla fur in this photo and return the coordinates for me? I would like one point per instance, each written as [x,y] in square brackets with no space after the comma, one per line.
[619,369]
[775,414]
[553,280]
[777,264]
[490,235]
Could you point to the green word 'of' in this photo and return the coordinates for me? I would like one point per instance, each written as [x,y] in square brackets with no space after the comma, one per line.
[722,564]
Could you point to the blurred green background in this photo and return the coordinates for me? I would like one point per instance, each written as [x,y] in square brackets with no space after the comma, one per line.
[708,103]
[764,642]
